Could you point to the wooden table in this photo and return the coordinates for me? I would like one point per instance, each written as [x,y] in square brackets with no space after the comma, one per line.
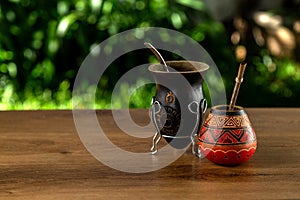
[42,157]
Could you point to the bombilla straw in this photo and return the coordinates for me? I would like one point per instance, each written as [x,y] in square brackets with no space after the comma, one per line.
[157,54]
[238,82]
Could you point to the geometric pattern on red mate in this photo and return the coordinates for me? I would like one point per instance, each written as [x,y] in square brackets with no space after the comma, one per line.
[231,150]
[228,157]
[227,136]
[227,121]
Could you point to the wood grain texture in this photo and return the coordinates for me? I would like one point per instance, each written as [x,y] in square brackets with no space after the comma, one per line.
[42,157]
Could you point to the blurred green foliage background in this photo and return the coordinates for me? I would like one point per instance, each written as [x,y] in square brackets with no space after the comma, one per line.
[43,43]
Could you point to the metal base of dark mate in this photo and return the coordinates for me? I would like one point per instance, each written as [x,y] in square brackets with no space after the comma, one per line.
[175,142]
[178,142]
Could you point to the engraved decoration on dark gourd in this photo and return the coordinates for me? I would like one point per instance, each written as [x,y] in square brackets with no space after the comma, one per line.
[172,121]
[172,116]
